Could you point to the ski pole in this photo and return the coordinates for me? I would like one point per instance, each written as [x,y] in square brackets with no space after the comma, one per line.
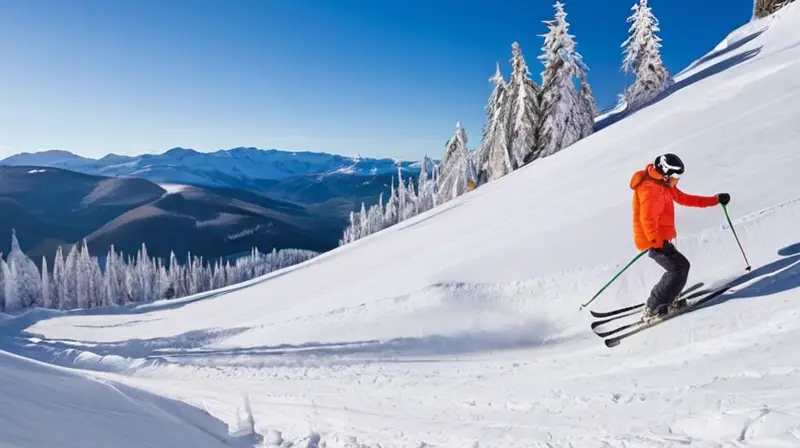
[612,280]
[725,209]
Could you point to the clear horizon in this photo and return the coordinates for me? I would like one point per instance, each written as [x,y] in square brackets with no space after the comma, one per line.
[350,78]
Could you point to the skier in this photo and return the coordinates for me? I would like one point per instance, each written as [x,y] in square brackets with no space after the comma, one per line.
[654,190]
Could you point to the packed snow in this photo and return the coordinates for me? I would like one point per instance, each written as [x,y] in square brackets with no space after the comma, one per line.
[461,327]
[43,405]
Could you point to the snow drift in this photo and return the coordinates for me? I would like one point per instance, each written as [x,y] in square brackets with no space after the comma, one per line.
[47,406]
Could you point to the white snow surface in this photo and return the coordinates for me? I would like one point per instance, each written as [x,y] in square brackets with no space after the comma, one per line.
[461,327]
[42,405]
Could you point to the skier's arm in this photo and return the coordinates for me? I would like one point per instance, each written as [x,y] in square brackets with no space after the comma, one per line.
[651,201]
[690,200]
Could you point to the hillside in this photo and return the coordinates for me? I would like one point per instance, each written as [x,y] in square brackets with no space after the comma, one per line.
[50,207]
[207,223]
[461,327]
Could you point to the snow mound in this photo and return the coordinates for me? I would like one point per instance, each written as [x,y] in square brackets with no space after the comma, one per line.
[47,406]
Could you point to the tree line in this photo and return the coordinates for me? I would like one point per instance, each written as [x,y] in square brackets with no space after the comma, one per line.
[525,120]
[77,280]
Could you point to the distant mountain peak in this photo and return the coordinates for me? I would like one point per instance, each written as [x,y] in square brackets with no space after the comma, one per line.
[180,151]
[240,167]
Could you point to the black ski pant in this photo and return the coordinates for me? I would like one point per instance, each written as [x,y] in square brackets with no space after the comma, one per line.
[674,279]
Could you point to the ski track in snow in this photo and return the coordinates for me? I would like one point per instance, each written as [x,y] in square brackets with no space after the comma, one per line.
[454,330]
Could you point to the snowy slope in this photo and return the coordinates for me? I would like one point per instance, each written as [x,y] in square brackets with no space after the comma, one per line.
[461,327]
[42,405]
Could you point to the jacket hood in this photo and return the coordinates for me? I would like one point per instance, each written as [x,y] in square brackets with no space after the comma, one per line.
[649,173]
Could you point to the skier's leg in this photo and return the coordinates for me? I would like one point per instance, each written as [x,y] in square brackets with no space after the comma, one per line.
[672,282]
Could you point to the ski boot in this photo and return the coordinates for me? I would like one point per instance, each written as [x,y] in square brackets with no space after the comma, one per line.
[649,315]
[676,306]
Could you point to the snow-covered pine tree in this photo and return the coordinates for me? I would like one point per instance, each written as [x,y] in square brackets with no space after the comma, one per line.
[112,280]
[71,279]
[494,156]
[10,300]
[47,298]
[59,280]
[83,279]
[177,277]
[522,114]
[390,214]
[363,222]
[25,276]
[643,57]
[587,110]
[97,287]
[164,283]
[456,168]
[407,197]
[560,101]
[425,184]
[350,232]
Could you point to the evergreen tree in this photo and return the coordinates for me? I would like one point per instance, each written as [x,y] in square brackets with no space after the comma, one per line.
[97,284]
[83,287]
[587,110]
[11,302]
[494,156]
[47,298]
[643,57]
[457,170]
[561,103]
[523,110]
[26,281]
[425,186]
[390,215]
[71,273]
[59,281]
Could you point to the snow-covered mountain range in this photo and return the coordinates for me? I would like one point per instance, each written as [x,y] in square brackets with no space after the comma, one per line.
[235,168]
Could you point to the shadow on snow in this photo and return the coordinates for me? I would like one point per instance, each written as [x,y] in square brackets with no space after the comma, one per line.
[715,54]
[707,72]
[779,276]
[138,353]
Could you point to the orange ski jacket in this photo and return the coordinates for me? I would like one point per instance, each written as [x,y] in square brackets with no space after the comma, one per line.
[653,208]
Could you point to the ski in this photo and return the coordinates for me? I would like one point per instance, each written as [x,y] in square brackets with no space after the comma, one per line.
[602,314]
[685,298]
[641,326]
[689,294]
[598,323]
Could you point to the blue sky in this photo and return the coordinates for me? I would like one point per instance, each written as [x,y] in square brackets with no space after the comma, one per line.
[380,79]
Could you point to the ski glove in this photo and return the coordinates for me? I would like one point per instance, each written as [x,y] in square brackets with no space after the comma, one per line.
[724,198]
